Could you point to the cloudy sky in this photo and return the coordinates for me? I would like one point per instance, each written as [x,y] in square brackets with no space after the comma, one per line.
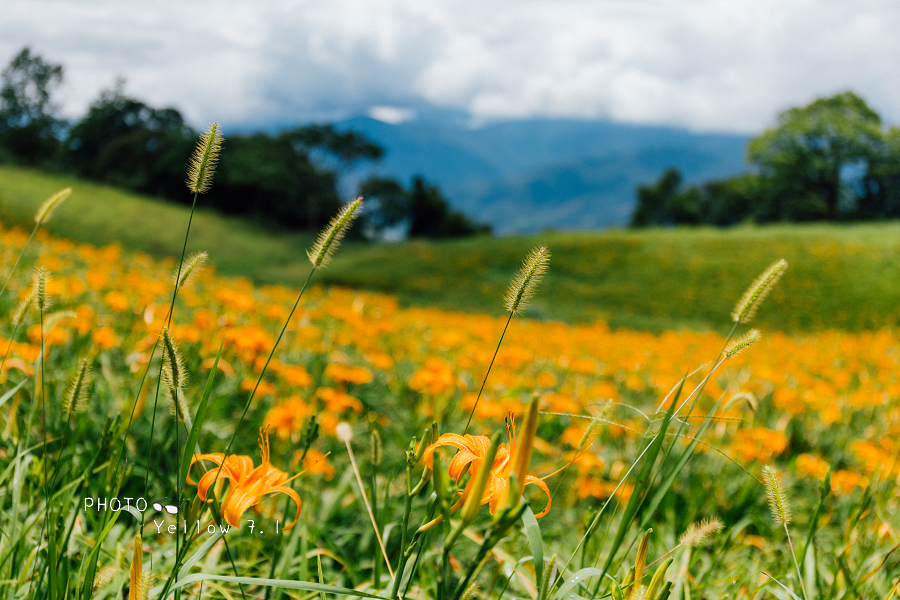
[708,65]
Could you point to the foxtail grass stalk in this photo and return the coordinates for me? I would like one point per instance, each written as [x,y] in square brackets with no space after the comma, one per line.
[521,289]
[18,316]
[42,304]
[781,514]
[694,535]
[43,214]
[320,254]
[490,366]
[200,172]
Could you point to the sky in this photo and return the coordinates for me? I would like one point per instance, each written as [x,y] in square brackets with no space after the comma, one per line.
[704,65]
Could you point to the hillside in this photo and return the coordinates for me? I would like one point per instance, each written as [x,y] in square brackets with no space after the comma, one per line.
[841,276]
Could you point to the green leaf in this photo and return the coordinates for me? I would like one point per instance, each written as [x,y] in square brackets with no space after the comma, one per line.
[10,393]
[91,563]
[282,583]
[200,553]
[536,542]
[577,578]
[198,419]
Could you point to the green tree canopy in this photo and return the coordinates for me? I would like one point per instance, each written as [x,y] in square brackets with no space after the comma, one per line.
[831,160]
[811,148]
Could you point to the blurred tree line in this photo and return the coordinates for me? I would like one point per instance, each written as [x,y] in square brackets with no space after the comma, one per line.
[289,178]
[830,160]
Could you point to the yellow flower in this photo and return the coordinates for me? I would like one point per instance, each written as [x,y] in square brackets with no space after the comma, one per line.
[248,484]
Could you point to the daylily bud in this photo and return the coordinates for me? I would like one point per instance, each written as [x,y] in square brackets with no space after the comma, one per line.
[525,444]
[473,500]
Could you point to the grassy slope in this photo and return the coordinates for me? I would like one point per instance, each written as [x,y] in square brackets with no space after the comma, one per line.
[840,276]
[100,215]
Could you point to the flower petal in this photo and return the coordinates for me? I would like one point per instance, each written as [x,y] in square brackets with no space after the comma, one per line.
[215,457]
[470,443]
[283,489]
[540,483]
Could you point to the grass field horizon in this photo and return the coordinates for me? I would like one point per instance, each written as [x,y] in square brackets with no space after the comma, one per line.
[841,275]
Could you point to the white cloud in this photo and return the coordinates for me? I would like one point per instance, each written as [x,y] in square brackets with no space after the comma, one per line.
[704,64]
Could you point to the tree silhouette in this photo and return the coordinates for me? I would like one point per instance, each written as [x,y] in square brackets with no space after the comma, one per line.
[28,123]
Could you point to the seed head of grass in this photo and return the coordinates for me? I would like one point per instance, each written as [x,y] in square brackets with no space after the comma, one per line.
[192,265]
[203,162]
[76,395]
[745,397]
[22,308]
[742,343]
[699,532]
[174,375]
[41,299]
[50,205]
[749,303]
[778,500]
[330,237]
[524,284]
[104,576]
[587,435]
[471,592]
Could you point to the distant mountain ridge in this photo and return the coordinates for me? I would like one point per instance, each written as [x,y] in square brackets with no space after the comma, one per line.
[530,175]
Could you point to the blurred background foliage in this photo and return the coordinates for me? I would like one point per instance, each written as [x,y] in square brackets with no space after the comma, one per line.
[830,160]
[290,178]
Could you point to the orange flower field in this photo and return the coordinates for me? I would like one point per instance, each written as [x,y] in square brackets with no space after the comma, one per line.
[345,350]
[815,405]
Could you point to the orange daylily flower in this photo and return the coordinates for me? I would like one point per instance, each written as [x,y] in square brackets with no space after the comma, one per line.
[472,450]
[248,483]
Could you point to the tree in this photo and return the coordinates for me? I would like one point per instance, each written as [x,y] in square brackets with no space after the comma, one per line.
[29,127]
[386,207]
[422,208]
[736,199]
[338,151]
[809,155]
[267,177]
[662,203]
[125,142]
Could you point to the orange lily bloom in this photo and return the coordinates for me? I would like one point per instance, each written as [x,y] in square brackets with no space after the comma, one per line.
[248,483]
[472,450]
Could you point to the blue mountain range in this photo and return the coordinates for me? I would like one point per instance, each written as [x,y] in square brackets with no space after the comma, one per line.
[531,175]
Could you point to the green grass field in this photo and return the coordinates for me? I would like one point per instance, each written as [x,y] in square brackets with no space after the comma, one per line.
[841,276]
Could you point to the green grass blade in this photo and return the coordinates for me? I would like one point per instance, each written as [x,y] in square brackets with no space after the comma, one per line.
[536,542]
[682,461]
[642,481]
[577,578]
[200,553]
[94,556]
[282,583]
[199,418]
[10,393]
